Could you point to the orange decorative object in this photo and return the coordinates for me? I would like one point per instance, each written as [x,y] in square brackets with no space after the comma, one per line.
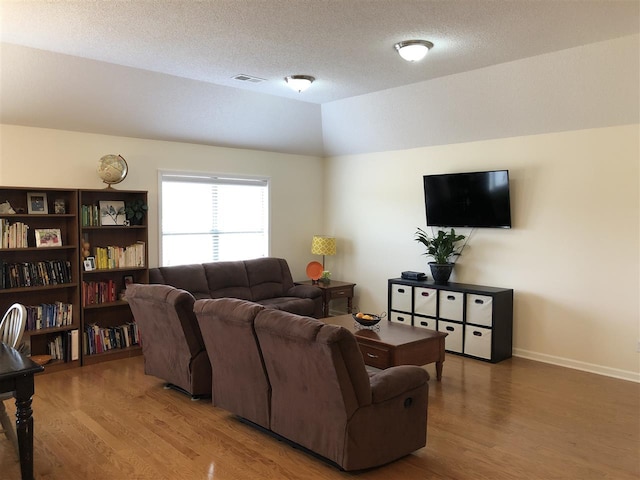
[41,359]
[314,270]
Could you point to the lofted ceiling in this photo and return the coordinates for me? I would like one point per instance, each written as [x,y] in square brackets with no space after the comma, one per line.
[346,44]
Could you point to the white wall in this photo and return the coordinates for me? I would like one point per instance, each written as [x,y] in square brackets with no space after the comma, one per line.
[56,158]
[91,96]
[566,126]
[571,257]
[591,86]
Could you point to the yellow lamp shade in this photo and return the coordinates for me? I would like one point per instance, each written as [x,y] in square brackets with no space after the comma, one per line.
[322,245]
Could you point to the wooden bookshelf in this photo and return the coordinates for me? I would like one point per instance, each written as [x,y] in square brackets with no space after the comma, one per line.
[51,213]
[111,238]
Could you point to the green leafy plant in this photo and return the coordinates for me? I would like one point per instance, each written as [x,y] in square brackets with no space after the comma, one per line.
[442,247]
[136,210]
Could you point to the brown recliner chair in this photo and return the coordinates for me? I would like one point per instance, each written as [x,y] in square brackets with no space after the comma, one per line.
[240,383]
[172,344]
[323,399]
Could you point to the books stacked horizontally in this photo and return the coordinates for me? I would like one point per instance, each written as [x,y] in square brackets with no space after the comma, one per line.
[34,274]
[120,257]
[98,339]
[49,315]
[13,235]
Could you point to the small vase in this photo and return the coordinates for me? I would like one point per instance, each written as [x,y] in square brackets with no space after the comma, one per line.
[441,272]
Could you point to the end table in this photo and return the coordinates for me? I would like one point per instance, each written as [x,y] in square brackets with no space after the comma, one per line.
[332,290]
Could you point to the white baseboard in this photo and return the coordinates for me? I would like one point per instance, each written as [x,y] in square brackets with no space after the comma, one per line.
[577,365]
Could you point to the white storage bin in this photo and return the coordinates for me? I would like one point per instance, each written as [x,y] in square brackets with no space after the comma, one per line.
[425,322]
[425,301]
[451,305]
[477,342]
[480,310]
[398,317]
[453,342]
[401,297]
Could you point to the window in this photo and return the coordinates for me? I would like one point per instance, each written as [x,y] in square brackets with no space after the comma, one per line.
[207,218]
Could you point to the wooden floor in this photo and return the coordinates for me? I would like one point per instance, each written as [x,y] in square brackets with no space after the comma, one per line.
[515,420]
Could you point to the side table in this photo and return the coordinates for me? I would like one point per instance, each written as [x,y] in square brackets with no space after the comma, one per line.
[332,290]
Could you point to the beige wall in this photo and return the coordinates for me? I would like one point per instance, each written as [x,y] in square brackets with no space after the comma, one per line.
[572,256]
[55,158]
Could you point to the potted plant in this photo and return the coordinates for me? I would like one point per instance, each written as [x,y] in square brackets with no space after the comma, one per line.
[135,211]
[443,248]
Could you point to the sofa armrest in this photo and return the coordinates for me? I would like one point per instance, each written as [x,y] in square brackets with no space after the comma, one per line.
[395,381]
[304,291]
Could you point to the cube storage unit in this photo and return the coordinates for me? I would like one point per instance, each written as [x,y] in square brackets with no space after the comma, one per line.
[478,319]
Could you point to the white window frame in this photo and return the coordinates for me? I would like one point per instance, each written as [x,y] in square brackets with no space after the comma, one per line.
[207,177]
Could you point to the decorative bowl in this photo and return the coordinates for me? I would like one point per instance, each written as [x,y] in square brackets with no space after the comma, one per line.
[366,322]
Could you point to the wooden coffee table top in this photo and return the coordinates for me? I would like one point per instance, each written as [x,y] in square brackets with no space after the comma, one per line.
[388,333]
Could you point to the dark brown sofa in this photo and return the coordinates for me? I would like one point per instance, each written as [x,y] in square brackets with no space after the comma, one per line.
[266,281]
[172,344]
[311,379]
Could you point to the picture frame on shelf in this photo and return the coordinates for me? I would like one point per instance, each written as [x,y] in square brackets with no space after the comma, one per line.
[48,237]
[127,280]
[37,203]
[59,206]
[89,264]
[112,213]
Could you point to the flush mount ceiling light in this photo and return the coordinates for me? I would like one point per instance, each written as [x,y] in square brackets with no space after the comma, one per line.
[299,82]
[413,50]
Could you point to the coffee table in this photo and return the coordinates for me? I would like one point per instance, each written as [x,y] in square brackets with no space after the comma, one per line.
[393,344]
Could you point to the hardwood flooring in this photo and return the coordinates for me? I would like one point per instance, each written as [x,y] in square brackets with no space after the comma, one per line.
[518,419]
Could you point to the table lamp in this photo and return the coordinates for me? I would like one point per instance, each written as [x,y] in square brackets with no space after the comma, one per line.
[323,245]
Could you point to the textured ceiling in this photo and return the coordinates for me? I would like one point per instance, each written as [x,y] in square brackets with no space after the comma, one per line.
[346,44]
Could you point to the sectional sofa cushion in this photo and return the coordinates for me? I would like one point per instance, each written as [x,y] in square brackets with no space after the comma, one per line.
[239,380]
[323,398]
[172,344]
[266,281]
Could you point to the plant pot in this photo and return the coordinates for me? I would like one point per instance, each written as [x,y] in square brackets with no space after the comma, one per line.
[441,272]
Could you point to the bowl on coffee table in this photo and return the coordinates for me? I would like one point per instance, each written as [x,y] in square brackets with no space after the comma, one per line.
[367,319]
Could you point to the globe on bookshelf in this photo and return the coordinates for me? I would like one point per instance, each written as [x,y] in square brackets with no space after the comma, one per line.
[112,169]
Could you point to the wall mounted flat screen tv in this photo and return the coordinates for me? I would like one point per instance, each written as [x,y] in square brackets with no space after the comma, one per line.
[474,199]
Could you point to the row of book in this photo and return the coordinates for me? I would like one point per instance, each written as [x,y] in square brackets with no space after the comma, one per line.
[13,235]
[90,215]
[49,315]
[102,339]
[94,293]
[64,346]
[34,274]
[120,257]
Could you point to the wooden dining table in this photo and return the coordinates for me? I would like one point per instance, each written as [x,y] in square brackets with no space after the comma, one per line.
[16,375]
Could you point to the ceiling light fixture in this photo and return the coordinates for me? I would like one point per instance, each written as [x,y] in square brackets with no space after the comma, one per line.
[413,50]
[299,82]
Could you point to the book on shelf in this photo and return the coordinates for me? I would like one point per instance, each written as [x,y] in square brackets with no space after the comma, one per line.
[14,235]
[94,293]
[64,346]
[90,215]
[114,256]
[35,274]
[98,339]
[49,315]
[75,352]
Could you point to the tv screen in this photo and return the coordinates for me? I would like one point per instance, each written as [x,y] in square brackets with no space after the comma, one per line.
[475,199]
